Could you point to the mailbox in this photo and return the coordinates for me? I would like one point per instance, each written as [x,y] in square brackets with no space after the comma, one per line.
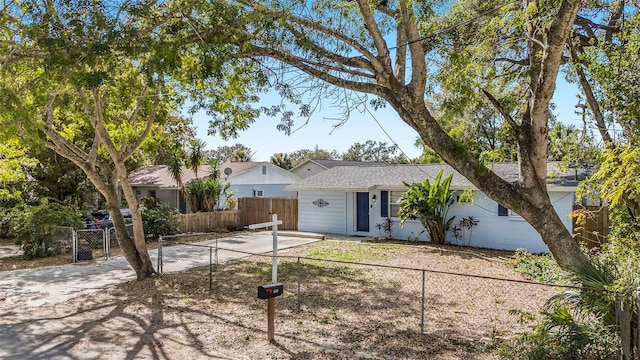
[269,291]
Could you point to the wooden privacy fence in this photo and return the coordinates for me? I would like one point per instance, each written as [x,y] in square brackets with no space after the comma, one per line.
[258,210]
[209,221]
[595,228]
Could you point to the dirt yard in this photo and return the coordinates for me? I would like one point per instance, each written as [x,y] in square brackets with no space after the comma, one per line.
[346,311]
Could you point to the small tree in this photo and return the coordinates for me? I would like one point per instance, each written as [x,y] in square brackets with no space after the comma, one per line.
[35,226]
[204,194]
[429,202]
[158,218]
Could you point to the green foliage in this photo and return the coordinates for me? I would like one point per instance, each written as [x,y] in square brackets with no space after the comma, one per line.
[35,226]
[236,152]
[281,160]
[429,202]
[204,194]
[386,226]
[580,321]
[159,218]
[299,156]
[372,151]
[6,230]
[428,155]
[562,334]
[14,165]
[540,268]
[354,252]
[463,230]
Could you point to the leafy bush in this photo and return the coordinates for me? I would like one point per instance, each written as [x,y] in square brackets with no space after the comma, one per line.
[35,226]
[540,268]
[204,194]
[159,218]
[580,321]
[429,202]
[565,334]
[385,226]
[463,230]
[6,231]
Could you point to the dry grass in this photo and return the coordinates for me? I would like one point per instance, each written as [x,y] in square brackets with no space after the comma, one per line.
[347,311]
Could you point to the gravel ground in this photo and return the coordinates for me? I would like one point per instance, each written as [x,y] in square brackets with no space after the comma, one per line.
[346,311]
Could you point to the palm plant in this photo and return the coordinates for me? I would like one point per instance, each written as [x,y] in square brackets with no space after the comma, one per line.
[175,163]
[429,202]
[204,194]
[197,155]
[580,322]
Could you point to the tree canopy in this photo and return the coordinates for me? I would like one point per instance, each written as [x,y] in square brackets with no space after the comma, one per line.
[405,55]
[91,81]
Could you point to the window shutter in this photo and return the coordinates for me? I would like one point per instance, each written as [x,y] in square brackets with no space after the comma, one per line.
[384,203]
[502,211]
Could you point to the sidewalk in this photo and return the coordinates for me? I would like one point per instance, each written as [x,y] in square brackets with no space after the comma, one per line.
[55,284]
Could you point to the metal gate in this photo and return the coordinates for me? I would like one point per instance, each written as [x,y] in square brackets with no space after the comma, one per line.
[111,240]
[89,244]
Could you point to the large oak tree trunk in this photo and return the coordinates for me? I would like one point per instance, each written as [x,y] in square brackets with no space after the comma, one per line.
[139,250]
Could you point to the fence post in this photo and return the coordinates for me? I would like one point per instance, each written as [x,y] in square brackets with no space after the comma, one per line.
[216,252]
[638,312]
[422,308]
[210,268]
[106,241]
[160,255]
[298,283]
[74,245]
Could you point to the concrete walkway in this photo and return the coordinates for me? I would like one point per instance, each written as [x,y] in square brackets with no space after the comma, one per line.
[55,284]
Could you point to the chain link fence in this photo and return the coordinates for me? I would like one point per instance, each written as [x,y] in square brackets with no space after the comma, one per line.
[111,240]
[372,297]
[90,245]
[62,240]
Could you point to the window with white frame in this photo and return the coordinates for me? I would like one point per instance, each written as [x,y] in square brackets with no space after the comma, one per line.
[258,193]
[394,202]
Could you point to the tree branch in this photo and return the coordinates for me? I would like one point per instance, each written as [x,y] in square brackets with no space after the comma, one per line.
[418,66]
[588,92]
[293,60]
[523,62]
[514,125]
[150,120]
[378,39]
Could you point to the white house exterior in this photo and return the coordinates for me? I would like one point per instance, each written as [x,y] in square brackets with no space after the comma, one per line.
[352,200]
[247,179]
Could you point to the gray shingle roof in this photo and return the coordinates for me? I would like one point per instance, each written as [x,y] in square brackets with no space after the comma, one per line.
[159,175]
[360,178]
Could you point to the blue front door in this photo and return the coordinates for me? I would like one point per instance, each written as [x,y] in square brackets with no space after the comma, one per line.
[362,211]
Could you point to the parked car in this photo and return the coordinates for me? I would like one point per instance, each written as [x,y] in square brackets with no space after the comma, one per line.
[104,221]
[89,222]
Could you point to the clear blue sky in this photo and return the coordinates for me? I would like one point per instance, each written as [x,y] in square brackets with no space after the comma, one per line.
[265,140]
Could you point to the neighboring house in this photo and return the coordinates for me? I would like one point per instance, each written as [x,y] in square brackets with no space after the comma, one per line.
[247,179]
[351,200]
[313,167]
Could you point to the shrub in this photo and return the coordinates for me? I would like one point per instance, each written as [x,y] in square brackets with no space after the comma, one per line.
[159,218]
[463,230]
[6,231]
[386,226]
[35,226]
[540,268]
[565,334]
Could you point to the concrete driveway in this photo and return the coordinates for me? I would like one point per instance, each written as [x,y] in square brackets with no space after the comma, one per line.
[55,284]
